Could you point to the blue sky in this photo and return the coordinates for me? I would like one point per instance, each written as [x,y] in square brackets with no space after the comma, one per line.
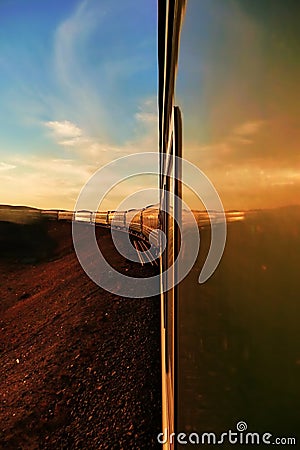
[78,84]
[88,61]
[78,89]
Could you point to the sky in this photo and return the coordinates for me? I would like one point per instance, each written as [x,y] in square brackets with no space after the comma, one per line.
[78,82]
[238,87]
[78,89]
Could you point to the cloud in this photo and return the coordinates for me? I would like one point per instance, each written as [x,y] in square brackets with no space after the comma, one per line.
[71,168]
[45,182]
[65,129]
[69,135]
[146,117]
[70,142]
[66,133]
[146,131]
[4,166]
[228,148]
[246,132]
[103,84]
[89,107]
[76,76]
[69,37]
[248,128]
[56,183]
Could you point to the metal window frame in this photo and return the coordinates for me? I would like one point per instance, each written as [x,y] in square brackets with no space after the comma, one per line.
[170,14]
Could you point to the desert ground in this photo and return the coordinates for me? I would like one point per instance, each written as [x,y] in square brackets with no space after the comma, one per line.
[80,367]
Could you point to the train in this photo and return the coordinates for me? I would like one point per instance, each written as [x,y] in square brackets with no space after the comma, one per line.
[141,223]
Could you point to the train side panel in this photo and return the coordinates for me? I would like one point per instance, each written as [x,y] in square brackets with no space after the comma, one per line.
[83,216]
[101,218]
[65,215]
[150,220]
[49,214]
[133,221]
[118,219]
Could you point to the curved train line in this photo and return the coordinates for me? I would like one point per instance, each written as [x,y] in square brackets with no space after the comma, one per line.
[140,224]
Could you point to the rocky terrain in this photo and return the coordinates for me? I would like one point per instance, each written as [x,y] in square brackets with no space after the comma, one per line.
[80,367]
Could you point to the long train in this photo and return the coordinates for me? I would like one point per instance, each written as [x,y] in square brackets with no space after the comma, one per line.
[138,222]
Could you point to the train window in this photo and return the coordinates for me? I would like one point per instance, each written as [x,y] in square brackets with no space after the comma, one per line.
[238,333]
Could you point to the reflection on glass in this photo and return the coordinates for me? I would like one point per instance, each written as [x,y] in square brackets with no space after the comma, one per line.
[239,334]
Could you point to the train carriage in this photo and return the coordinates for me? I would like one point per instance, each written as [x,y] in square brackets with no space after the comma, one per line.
[49,214]
[83,216]
[149,220]
[118,219]
[66,215]
[101,218]
[133,221]
[110,216]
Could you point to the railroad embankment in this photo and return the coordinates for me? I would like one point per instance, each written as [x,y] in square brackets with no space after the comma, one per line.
[80,367]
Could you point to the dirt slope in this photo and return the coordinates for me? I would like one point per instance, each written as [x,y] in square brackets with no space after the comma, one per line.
[80,368]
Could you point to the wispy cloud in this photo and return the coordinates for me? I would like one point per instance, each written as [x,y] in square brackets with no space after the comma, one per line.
[4,166]
[44,181]
[65,129]
[248,128]
[74,73]
[70,136]
[146,127]
[66,133]
[103,82]
[54,166]
[85,105]
[146,117]
[246,132]
[230,149]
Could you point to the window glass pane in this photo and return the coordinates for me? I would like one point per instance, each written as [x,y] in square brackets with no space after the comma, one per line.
[239,355]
